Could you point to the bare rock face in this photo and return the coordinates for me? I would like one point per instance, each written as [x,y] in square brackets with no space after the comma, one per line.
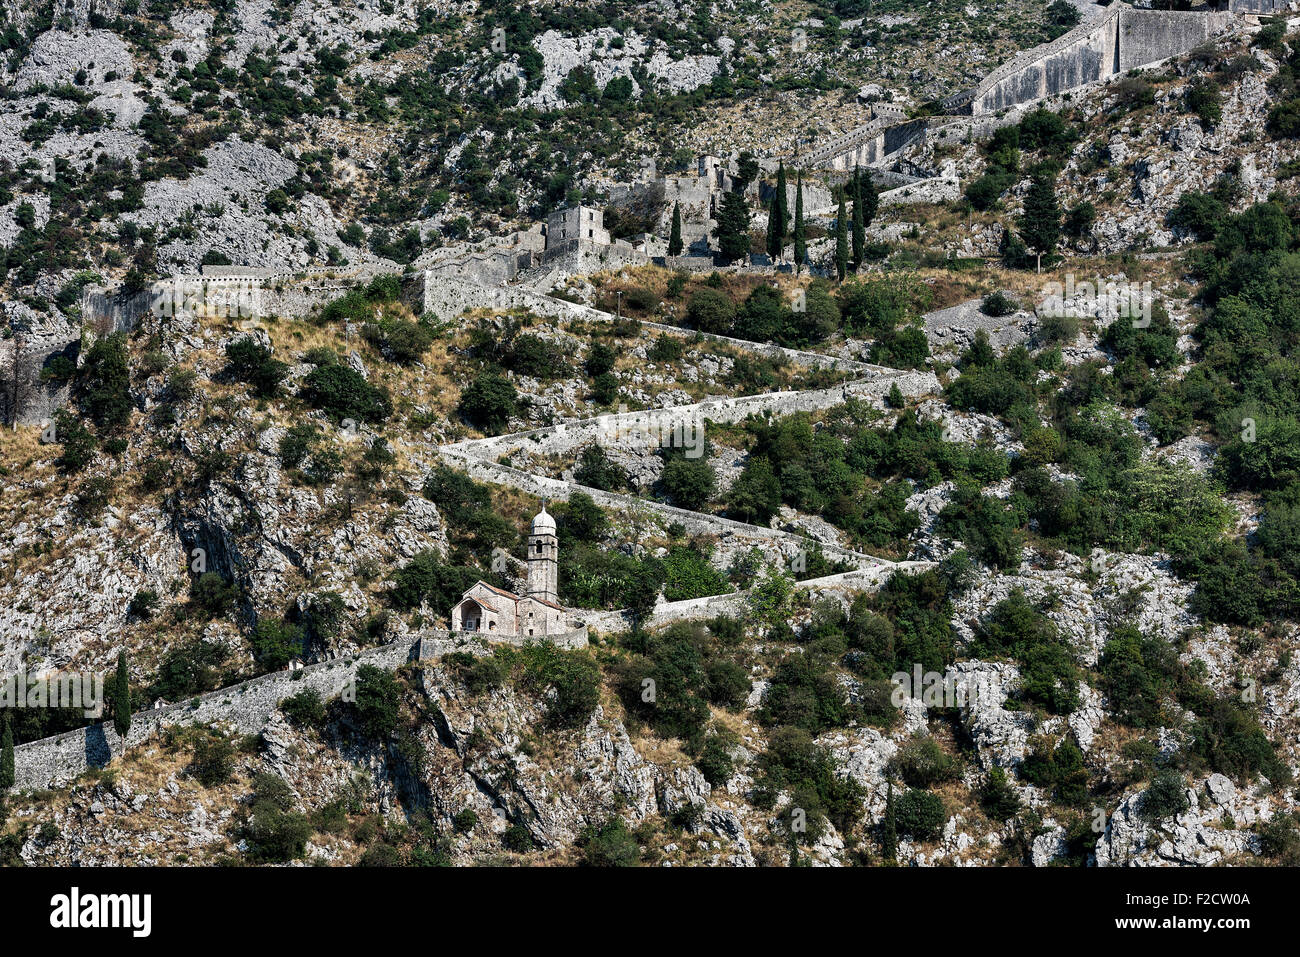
[1214,829]
[57,58]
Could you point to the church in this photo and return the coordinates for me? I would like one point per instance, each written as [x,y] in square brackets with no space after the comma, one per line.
[494,611]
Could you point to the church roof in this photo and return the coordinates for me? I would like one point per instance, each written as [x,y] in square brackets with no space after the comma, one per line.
[511,596]
[500,591]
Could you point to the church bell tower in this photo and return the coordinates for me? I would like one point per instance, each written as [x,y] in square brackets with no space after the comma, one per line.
[544,559]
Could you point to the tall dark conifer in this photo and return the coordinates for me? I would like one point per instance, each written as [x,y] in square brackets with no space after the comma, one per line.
[859,226]
[800,241]
[841,240]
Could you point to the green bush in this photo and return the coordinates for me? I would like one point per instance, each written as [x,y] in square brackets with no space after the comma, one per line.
[376,705]
[105,382]
[609,845]
[517,838]
[249,361]
[998,303]
[1165,797]
[214,759]
[213,595]
[573,676]
[276,832]
[305,709]
[345,394]
[400,340]
[489,401]
[275,643]
[921,763]
[920,814]
[997,797]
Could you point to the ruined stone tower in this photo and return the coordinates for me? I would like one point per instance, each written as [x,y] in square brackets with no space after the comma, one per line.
[544,559]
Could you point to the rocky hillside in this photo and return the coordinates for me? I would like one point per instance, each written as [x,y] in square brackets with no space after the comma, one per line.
[1084,655]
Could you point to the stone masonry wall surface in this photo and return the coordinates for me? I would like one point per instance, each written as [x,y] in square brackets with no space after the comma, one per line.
[244,708]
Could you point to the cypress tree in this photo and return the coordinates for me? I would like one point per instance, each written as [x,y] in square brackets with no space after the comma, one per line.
[870,200]
[800,243]
[773,242]
[675,236]
[733,227]
[841,241]
[783,209]
[1040,226]
[778,217]
[121,698]
[859,227]
[889,827]
[7,757]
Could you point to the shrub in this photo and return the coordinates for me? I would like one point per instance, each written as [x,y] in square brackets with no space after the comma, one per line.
[711,310]
[574,677]
[1204,99]
[143,604]
[79,443]
[921,763]
[305,709]
[517,838]
[297,444]
[275,643]
[400,340]
[106,381]
[276,832]
[376,702]
[345,394]
[214,759]
[610,845]
[534,356]
[1165,797]
[597,470]
[604,389]
[464,821]
[1059,768]
[426,579]
[689,482]
[714,760]
[920,814]
[998,303]
[249,361]
[489,401]
[213,595]
[665,348]
[996,796]
[600,359]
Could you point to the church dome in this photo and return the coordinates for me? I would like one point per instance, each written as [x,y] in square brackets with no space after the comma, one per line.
[543,523]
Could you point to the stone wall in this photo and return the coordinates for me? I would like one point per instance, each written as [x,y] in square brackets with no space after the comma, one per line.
[694,523]
[1264,7]
[1121,40]
[569,437]
[736,604]
[244,708]
[448,297]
